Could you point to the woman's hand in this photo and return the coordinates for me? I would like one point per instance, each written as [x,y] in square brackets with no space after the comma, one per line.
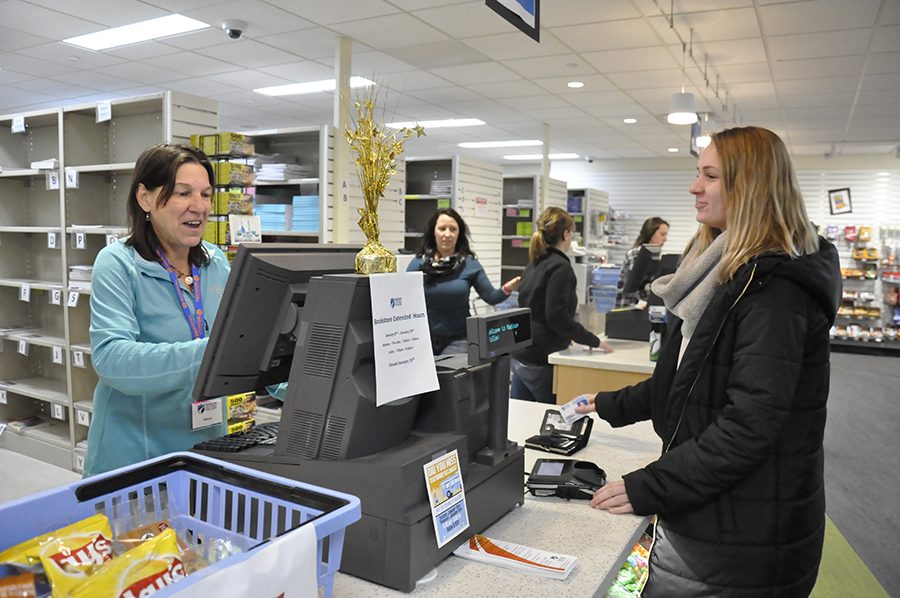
[613,498]
[588,407]
[511,285]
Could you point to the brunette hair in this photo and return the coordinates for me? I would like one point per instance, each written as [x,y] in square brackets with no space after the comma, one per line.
[552,224]
[429,243]
[648,229]
[156,168]
[765,211]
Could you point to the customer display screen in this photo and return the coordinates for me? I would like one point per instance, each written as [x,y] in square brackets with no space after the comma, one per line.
[507,332]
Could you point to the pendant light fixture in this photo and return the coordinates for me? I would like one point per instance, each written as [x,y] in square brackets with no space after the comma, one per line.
[682,111]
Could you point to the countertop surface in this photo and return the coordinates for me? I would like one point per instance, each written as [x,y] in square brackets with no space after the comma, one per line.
[627,356]
[597,538]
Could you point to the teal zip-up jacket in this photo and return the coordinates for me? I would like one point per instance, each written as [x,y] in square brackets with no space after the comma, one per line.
[145,358]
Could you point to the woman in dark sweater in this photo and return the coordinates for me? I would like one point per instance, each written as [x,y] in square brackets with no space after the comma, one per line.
[548,288]
[451,271]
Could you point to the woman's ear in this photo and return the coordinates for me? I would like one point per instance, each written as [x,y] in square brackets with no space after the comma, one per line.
[144,198]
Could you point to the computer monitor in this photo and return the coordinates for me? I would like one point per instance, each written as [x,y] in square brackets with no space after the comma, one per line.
[643,271]
[251,344]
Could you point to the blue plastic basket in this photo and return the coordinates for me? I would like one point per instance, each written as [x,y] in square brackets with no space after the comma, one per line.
[208,497]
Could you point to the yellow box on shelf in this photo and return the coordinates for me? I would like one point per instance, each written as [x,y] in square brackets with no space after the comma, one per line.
[232,201]
[239,427]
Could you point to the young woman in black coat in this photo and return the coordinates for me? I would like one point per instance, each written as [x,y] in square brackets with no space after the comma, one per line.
[739,392]
[548,288]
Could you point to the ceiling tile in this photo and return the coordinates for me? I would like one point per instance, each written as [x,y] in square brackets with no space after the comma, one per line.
[10,39]
[486,72]
[611,35]
[247,79]
[413,80]
[108,13]
[635,59]
[467,20]
[437,54]
[818,45]
[709,26]
[311,43]
[376,64]
[202,38]
[820,85]
[647,79]
[299,71]
[811,68]
[94,80]
[70,56]
[507,89]
[139,73]
[261,17]
[190,63]
[443,96]
[742,51]
[887,62]
[535,102]
[53,88]
[558,84]
[575,12]
[515,45]
[199,87]
[887,39]
[143,50]
[392,31]
[822,15]
[11,61]
[329,12]
[248,54]
[550,66]
[598,98]
[37,20]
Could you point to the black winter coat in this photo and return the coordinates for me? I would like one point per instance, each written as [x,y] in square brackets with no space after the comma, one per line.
[548,288]
[739,486]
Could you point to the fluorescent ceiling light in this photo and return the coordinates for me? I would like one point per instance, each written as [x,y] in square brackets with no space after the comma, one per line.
[703,140]
[629,121]
[672,150]
[575,84]
[513,143]
[540,156]
[435,124]
[136,32]
[292,89]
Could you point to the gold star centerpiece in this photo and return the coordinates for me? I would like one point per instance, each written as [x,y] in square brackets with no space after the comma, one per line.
[376,154]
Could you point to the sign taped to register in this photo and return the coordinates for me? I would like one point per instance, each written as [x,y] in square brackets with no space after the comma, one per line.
[404,364]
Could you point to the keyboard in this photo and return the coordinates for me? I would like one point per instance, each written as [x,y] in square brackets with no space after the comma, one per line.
[261,435]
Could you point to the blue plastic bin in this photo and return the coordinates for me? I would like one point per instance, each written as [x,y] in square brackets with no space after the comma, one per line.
[209,497]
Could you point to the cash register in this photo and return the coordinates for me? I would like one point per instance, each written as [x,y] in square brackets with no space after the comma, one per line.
[281,320]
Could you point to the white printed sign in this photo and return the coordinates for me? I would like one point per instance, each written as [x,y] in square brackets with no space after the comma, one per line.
[57,355]
[84,417]
[51,241]
[3,397]
[18,123]
[78,359]
[52,180]
[79,240]
[71,178]
[58,411]
[23,347]
[404,364]
[55,296]
[104,111]
[73,299]
[25,292]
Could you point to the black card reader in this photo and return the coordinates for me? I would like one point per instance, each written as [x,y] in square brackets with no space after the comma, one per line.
[565,478]
[558,437]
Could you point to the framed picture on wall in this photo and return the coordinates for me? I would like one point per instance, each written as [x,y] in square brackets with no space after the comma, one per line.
[839,201]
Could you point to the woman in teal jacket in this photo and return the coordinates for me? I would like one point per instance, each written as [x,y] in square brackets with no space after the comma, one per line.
[153,296]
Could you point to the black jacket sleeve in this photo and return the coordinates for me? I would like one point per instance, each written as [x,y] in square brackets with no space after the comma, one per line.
[768,354]
[561,284]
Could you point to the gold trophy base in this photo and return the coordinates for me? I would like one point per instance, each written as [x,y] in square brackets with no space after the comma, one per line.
[375,259]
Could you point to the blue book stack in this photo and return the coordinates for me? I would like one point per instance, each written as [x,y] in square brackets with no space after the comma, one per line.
[272,216]
[305,218]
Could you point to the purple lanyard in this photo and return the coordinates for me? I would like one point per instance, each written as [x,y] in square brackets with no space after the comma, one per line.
[195,319]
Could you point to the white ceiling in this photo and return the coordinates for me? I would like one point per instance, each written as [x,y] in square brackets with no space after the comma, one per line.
[824,74]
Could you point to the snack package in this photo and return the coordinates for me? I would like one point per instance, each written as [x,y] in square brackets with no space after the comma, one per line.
[140,572]
[24,584]
[136,536]
[68,554]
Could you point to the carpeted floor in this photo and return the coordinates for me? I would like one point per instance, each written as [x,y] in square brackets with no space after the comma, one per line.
[862,476]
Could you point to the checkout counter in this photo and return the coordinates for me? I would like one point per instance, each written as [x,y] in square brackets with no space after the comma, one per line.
[601,541]
[579,371]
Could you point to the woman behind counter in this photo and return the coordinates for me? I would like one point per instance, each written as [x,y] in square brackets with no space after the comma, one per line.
[654,232]
[152,295]
[548,288]
[739,393]
[451,270]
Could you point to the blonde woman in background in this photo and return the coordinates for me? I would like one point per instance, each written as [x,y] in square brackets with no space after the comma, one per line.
[548,288]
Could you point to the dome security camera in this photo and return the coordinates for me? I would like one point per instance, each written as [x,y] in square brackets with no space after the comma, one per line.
[234,28]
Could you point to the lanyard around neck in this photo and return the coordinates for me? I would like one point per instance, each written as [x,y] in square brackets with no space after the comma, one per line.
[194,318]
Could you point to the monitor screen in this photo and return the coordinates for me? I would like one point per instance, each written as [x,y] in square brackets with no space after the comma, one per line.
[251,344]
[500,333]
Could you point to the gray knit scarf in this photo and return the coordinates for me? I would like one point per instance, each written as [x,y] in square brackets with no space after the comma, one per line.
[687,292]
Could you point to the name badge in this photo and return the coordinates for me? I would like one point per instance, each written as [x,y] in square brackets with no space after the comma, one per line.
[206,413]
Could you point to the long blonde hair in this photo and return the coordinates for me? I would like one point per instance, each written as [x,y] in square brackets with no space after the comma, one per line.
[764,207]
[552,224]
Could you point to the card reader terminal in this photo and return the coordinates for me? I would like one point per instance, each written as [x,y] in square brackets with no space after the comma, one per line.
[565,478]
